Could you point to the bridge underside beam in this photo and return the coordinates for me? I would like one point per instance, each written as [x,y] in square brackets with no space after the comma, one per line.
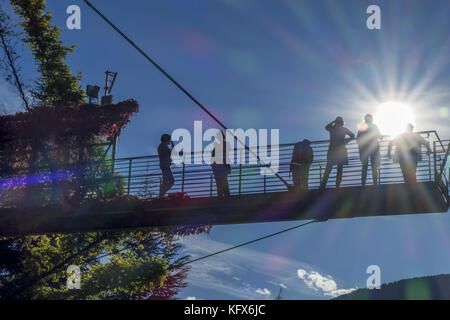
[349,202]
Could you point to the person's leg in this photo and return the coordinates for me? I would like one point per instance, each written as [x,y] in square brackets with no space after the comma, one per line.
[223,189]
[340,168]
[374,172]
[162,186]
[304,172]
[226,187]
[326,175]
[375,161]
[365,165]
[167,182]
[413,172]
[217,177]
[296,178]
[375,175]
[219,188]
[404,168]
[170,179]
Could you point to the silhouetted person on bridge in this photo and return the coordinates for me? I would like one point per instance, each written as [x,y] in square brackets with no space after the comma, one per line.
[337,151]
[369,148]
[220,164]
[302,158]
[165,160]
[408,153]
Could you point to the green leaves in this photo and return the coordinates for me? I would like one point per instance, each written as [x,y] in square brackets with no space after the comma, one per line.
[57,85]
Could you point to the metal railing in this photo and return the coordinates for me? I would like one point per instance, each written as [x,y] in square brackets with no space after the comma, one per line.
[141,176]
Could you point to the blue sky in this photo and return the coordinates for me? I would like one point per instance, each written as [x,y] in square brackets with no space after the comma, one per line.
[291,65]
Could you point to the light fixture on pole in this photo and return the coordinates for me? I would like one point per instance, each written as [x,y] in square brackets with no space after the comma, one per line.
[92,92]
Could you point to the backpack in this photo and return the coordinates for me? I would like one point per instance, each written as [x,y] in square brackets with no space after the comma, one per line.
[302,154]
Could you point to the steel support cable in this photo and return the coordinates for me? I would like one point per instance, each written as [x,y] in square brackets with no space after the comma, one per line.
[224,250]
[182,88]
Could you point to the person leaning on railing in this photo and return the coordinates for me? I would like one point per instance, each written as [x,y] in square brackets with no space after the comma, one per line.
[408,153]
[302,158]
[337,151]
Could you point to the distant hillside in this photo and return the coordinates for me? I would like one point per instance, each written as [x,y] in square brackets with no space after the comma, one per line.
[433,287]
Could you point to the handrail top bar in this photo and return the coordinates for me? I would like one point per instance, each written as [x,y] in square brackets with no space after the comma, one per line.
[281,145]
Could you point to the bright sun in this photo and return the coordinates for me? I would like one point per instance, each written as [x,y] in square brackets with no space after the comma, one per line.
[392,117]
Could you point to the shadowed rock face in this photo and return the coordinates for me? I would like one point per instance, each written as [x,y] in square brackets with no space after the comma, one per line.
[425,288]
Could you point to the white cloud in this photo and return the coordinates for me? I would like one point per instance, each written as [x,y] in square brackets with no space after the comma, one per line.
[216,273]
[191,298]
[244,263]
[278,284]
[324,284]
[264,292]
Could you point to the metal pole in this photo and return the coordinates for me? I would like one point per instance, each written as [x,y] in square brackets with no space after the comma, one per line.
[129,175]
[434,160]
[265,182]
[113,153]
[210,185]
[182,178]
[240,178]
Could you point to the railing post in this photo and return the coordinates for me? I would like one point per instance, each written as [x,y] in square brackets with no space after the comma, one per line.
[435,164]
[447,180]
[265,183]
[210,185]
[240,178]
[129,175]
[320,174]
[113,154]
[182,177]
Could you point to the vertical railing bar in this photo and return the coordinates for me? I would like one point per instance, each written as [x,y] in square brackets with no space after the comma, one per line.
[210,185]
[129,175]
[429,158]
[182,177]
[240,178]
[435,162]
[265,183]
[320,174]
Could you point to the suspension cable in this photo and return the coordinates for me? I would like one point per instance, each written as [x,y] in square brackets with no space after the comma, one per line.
[224,250]
[183,90]
[248,242]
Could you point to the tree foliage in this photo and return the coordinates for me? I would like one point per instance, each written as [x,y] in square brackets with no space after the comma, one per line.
[9,64]
[114,265]
[57,86]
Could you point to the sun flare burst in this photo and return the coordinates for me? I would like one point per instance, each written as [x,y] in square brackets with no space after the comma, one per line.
[392,117]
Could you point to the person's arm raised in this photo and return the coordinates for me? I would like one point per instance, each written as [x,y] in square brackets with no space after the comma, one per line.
[329,126]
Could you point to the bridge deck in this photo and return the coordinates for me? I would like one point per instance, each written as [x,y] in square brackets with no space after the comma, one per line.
[391,199]
[255,198]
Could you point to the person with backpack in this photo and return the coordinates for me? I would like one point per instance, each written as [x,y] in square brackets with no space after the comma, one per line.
[302,158]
